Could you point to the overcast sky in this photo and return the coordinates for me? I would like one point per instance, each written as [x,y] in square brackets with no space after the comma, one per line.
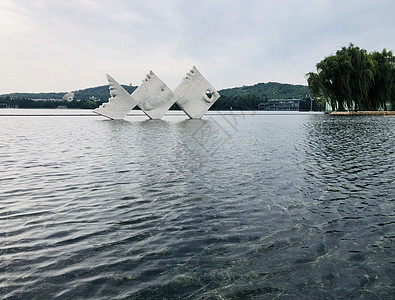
[54,45]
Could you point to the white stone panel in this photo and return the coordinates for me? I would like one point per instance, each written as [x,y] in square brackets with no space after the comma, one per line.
[195,95]
[154,97]
[120,103]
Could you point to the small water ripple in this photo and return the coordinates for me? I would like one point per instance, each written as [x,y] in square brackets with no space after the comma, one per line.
[264,206]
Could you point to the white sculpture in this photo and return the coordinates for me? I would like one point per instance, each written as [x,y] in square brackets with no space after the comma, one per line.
[120,103]
[195,95]
[154,97]
[68,97]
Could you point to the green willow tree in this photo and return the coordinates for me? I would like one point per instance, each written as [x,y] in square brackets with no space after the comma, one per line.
[353,79]
[383,90]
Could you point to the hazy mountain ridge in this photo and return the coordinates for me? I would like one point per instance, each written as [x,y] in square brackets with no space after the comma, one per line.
[243,98]
[249,97]
[99,92]
[273,90]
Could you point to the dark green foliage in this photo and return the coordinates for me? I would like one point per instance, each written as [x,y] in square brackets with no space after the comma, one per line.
[249,97]
[354,79]
[51,95]
[309,104]
[89,104]
[239,98]
[89,98]
[383,91]
[100,92]
[29,103]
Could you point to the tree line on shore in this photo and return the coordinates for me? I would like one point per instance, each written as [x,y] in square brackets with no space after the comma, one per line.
[239,98]
[353,79]
[21,102]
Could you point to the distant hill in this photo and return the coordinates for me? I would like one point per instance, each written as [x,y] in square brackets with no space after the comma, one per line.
[249,97]
[99,92]
[238,98]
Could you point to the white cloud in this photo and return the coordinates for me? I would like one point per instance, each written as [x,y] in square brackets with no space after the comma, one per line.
[67,45]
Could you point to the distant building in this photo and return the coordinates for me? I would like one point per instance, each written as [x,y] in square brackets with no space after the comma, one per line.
[5,105]
[280,105]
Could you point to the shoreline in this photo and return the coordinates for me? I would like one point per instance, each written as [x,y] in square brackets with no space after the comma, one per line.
[363,113]
[25,112]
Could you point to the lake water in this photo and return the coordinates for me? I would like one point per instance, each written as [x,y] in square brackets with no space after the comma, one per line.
[227,207]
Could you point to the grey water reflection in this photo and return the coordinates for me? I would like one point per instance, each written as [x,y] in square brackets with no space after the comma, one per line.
[233,207]
[351,178]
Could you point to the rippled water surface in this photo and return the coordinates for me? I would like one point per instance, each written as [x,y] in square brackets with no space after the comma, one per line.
[228,207]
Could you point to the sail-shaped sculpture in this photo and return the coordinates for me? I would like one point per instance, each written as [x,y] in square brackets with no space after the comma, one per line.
[120,103]
[195,95]
[154,97]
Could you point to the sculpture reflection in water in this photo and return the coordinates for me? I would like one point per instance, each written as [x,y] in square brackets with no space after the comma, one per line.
[194,95]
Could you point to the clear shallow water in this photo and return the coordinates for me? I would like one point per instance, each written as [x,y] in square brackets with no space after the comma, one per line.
[234,207]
